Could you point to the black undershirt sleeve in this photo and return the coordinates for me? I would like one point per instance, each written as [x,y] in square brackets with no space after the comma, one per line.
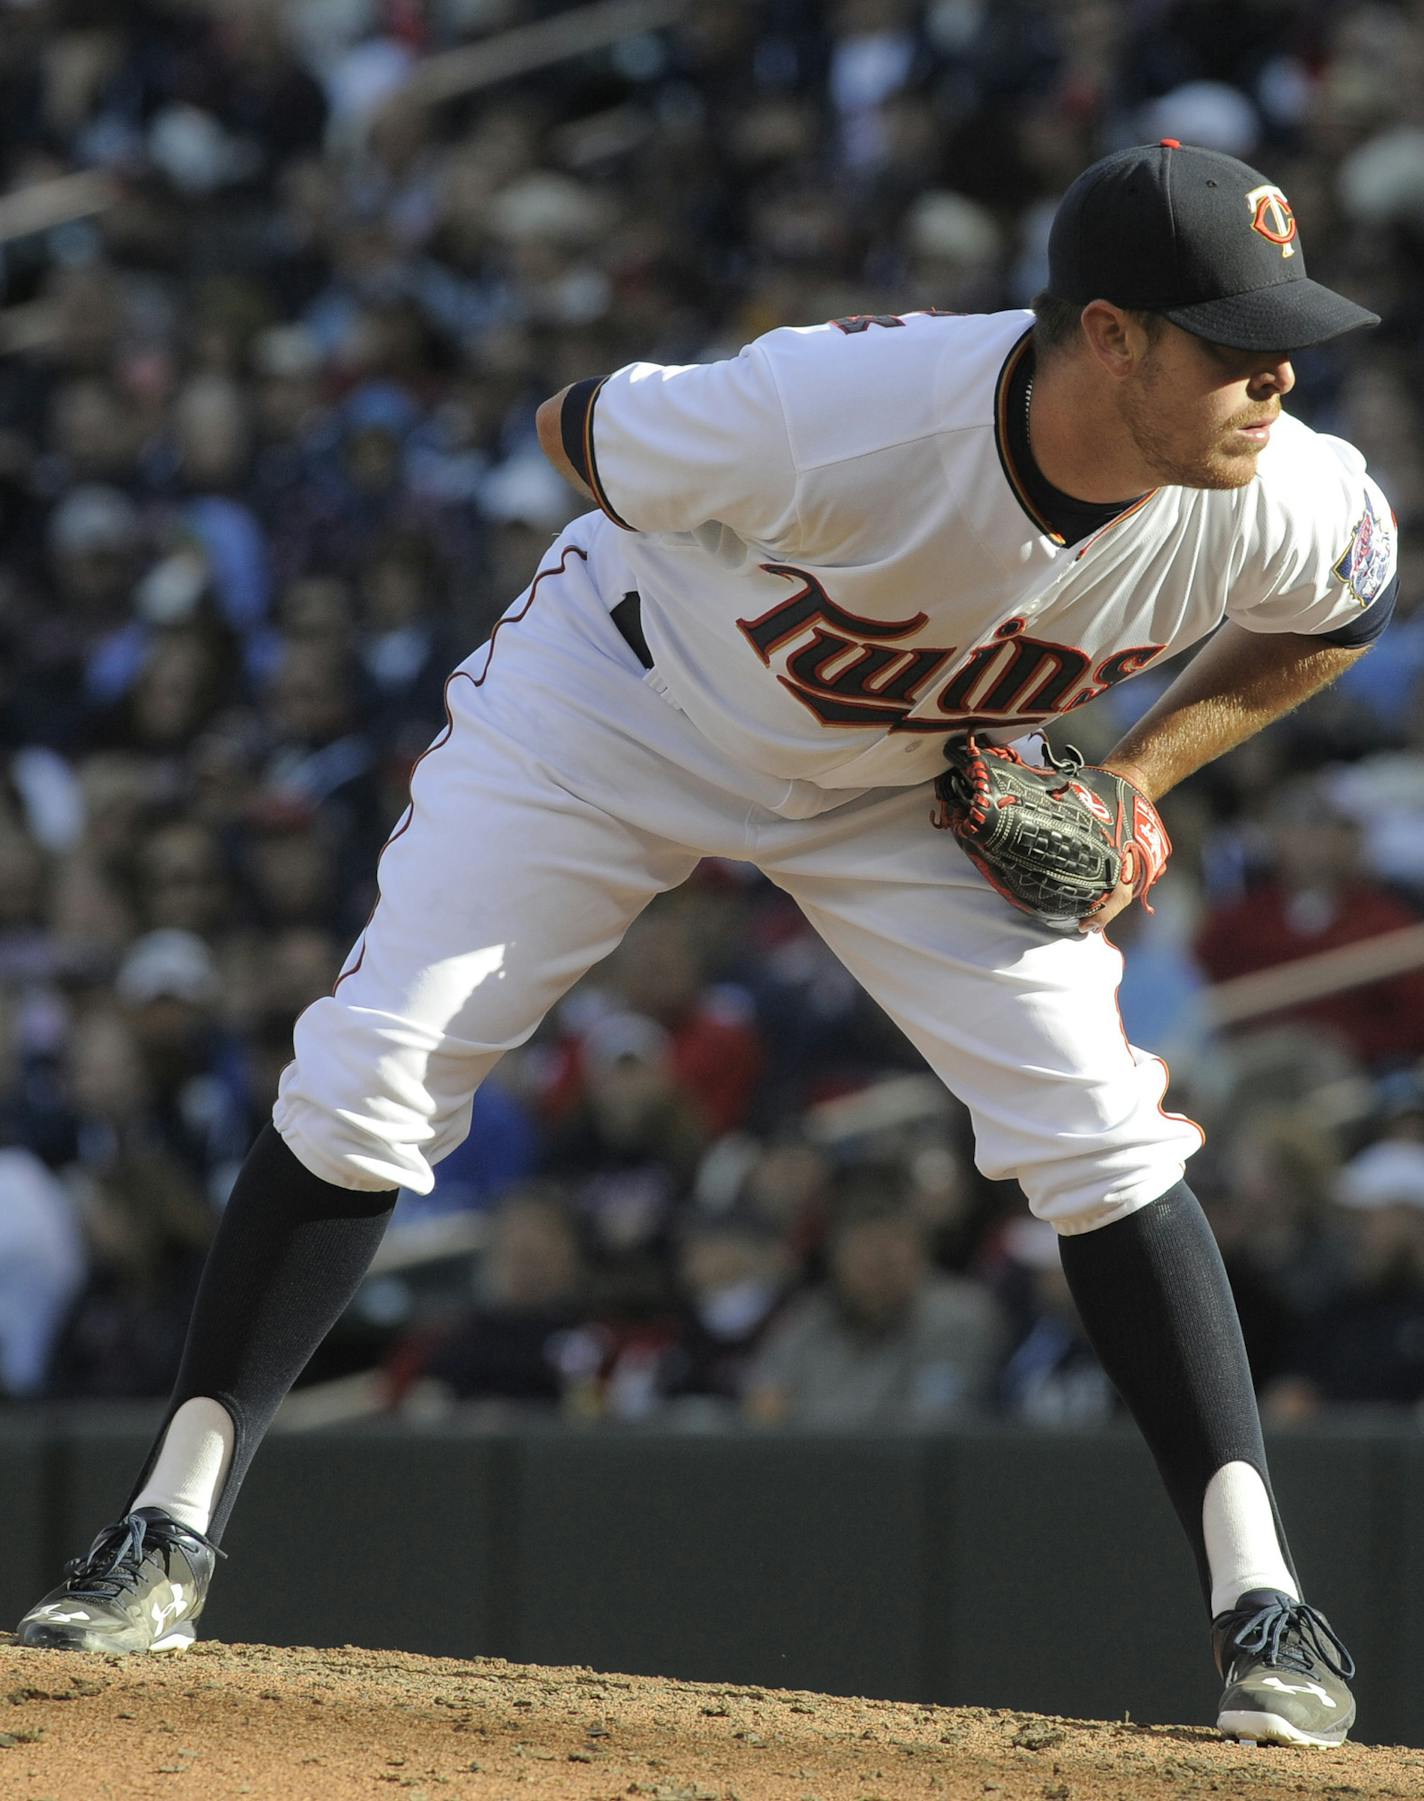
[573,425]
[1367,625]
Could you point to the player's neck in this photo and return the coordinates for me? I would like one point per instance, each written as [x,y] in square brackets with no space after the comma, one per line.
[1078,441]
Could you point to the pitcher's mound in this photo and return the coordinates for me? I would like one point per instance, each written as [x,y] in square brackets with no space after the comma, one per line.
[310,1725]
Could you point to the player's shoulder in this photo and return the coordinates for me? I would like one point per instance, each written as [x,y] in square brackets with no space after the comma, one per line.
[1303,470]
[864,382]
[1314,506]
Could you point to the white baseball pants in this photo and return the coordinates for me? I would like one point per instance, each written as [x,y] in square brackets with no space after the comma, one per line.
[563,794]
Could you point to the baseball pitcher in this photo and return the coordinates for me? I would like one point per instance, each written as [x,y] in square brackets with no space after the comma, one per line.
[830,587]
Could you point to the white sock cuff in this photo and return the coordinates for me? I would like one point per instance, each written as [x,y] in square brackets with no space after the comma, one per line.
[1242,1545]
[192,1464]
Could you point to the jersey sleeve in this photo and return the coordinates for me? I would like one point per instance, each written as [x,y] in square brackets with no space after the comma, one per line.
[1326,548]
[671,448]
[1365,627]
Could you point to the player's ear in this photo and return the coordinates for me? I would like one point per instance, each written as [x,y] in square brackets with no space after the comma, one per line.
[1114,336]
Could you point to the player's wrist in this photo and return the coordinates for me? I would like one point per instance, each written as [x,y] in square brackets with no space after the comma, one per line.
[1133,774]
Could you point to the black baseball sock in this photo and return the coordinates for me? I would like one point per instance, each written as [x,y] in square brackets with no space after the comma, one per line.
[1155,1301]
[289,1254]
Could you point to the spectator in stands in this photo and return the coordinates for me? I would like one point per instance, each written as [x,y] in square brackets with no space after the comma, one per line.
[787,1183]
[179,878]
[314,610]
[85,650]
[146,1220]
[525,1340]
[1316,896]
[183,677]
[1051,1376]
[319,752]
[267,470]
[733,1274]
[291,871]
[1270,1197]
[629,1148]
[27,949]
[212,455]
[93,914]
[714,1049]
[43,1264]
[169,989]
[1368,1346]
[406,652]
[94,454]
[1384,789]
[884,1341]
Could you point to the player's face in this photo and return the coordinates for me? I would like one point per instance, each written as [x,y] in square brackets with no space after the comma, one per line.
[1200,413]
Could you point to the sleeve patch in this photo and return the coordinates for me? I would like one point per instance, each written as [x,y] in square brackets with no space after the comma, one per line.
[1364,564]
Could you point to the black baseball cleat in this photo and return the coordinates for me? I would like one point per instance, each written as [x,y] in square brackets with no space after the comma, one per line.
[1286,1673]
[141,1587]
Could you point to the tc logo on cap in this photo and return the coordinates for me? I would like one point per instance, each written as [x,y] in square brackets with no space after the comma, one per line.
[1271,215]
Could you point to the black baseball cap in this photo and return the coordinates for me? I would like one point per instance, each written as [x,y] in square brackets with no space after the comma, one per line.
[1203,239]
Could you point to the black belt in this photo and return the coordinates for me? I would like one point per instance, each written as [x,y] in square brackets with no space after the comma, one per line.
[628,617]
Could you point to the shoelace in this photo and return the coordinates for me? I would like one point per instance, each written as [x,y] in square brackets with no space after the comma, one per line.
[112,1562]
[1266,1632]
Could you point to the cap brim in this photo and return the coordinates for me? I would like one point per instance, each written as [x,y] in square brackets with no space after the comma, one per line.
[1290,315]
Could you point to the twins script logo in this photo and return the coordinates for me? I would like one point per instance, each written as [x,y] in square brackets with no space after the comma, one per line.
[850,671]
[1271,215]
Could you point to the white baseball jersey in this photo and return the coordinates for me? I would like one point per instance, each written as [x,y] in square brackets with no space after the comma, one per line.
[840,563]
[841,560]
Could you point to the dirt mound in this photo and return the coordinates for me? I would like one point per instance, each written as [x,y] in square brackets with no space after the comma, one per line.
[311,1725]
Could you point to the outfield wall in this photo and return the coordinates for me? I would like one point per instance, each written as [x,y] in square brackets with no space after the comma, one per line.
[989,1566]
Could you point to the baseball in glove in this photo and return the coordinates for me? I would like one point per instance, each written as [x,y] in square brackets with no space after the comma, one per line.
[1056,840]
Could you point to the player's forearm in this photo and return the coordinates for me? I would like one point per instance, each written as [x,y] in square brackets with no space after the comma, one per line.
[548,422]
[1238,683]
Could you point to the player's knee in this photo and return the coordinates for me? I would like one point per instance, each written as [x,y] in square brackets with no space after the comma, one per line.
[368,1102]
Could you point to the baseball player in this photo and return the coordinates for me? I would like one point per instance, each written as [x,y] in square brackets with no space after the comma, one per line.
[816,569]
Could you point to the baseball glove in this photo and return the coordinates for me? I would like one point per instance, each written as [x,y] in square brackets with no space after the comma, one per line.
[1055,841]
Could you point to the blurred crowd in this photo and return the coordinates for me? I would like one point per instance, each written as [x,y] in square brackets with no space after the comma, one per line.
[281,286]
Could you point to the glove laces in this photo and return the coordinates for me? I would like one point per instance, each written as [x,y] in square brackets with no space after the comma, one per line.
[1292,1635]
[1069,764]
[112,1562]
